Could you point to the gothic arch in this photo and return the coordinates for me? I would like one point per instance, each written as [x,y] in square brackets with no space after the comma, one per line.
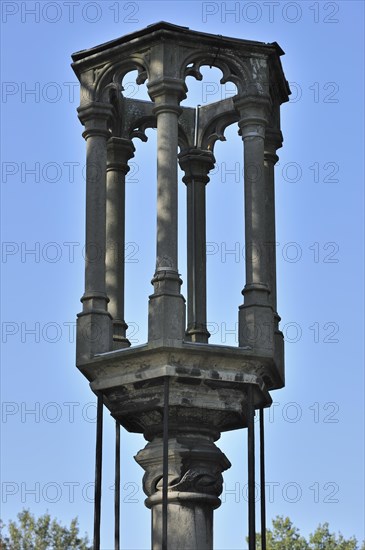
[233,70]
[110,77]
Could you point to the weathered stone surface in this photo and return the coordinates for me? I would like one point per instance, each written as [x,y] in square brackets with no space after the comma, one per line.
[208,384]
[196,164]
[119,152]
[195,481]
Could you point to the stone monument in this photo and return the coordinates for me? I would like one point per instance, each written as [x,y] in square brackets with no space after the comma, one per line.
[177,389]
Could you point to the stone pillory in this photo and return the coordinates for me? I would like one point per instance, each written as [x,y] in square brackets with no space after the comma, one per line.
[178,390]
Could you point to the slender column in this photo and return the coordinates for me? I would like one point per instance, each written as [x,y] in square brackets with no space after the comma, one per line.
[196,164]
[166,322]
[119,152]
[255,316]
[195,467]
[94,322]
[273,141]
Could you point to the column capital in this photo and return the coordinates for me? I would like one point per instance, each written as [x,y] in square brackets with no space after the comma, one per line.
[196,163]
[254,113]
[119,152]
[195,469]
[167,90]
[95,117]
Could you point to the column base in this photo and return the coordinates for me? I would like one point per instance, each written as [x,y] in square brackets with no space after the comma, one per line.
[166,309]
[94,335]
[166,319]
[120,341]
[197,333]
[256,328]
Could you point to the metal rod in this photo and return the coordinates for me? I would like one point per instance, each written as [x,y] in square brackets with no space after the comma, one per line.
[262,481]
[117,488]
[98,470]
[196,125]
[165,467]
[251,468]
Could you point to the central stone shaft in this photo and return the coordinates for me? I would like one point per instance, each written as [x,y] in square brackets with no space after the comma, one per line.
[195,466]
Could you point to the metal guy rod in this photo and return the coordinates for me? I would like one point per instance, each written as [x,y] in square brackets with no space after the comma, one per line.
[262,481]
[98,470]
[165,470]
[117,488]
[251,468]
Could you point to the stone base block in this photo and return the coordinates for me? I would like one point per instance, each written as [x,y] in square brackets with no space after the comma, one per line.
[166,319]
[94,335]
[256,329]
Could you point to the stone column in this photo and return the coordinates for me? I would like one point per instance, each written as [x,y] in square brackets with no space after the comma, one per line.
[255,316]
[273,141]
[166,318]
[94,322]
[195,480]
[196,164]
[119,152]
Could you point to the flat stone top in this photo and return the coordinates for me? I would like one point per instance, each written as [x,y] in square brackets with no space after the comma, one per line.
[194,360]
[163,27]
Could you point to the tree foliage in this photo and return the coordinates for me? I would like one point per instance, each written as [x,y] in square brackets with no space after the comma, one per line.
[285,536]
[29,533]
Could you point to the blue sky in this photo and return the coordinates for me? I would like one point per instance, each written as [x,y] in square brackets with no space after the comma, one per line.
[315,441]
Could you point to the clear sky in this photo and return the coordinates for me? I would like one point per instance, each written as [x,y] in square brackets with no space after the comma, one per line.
[315,430]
